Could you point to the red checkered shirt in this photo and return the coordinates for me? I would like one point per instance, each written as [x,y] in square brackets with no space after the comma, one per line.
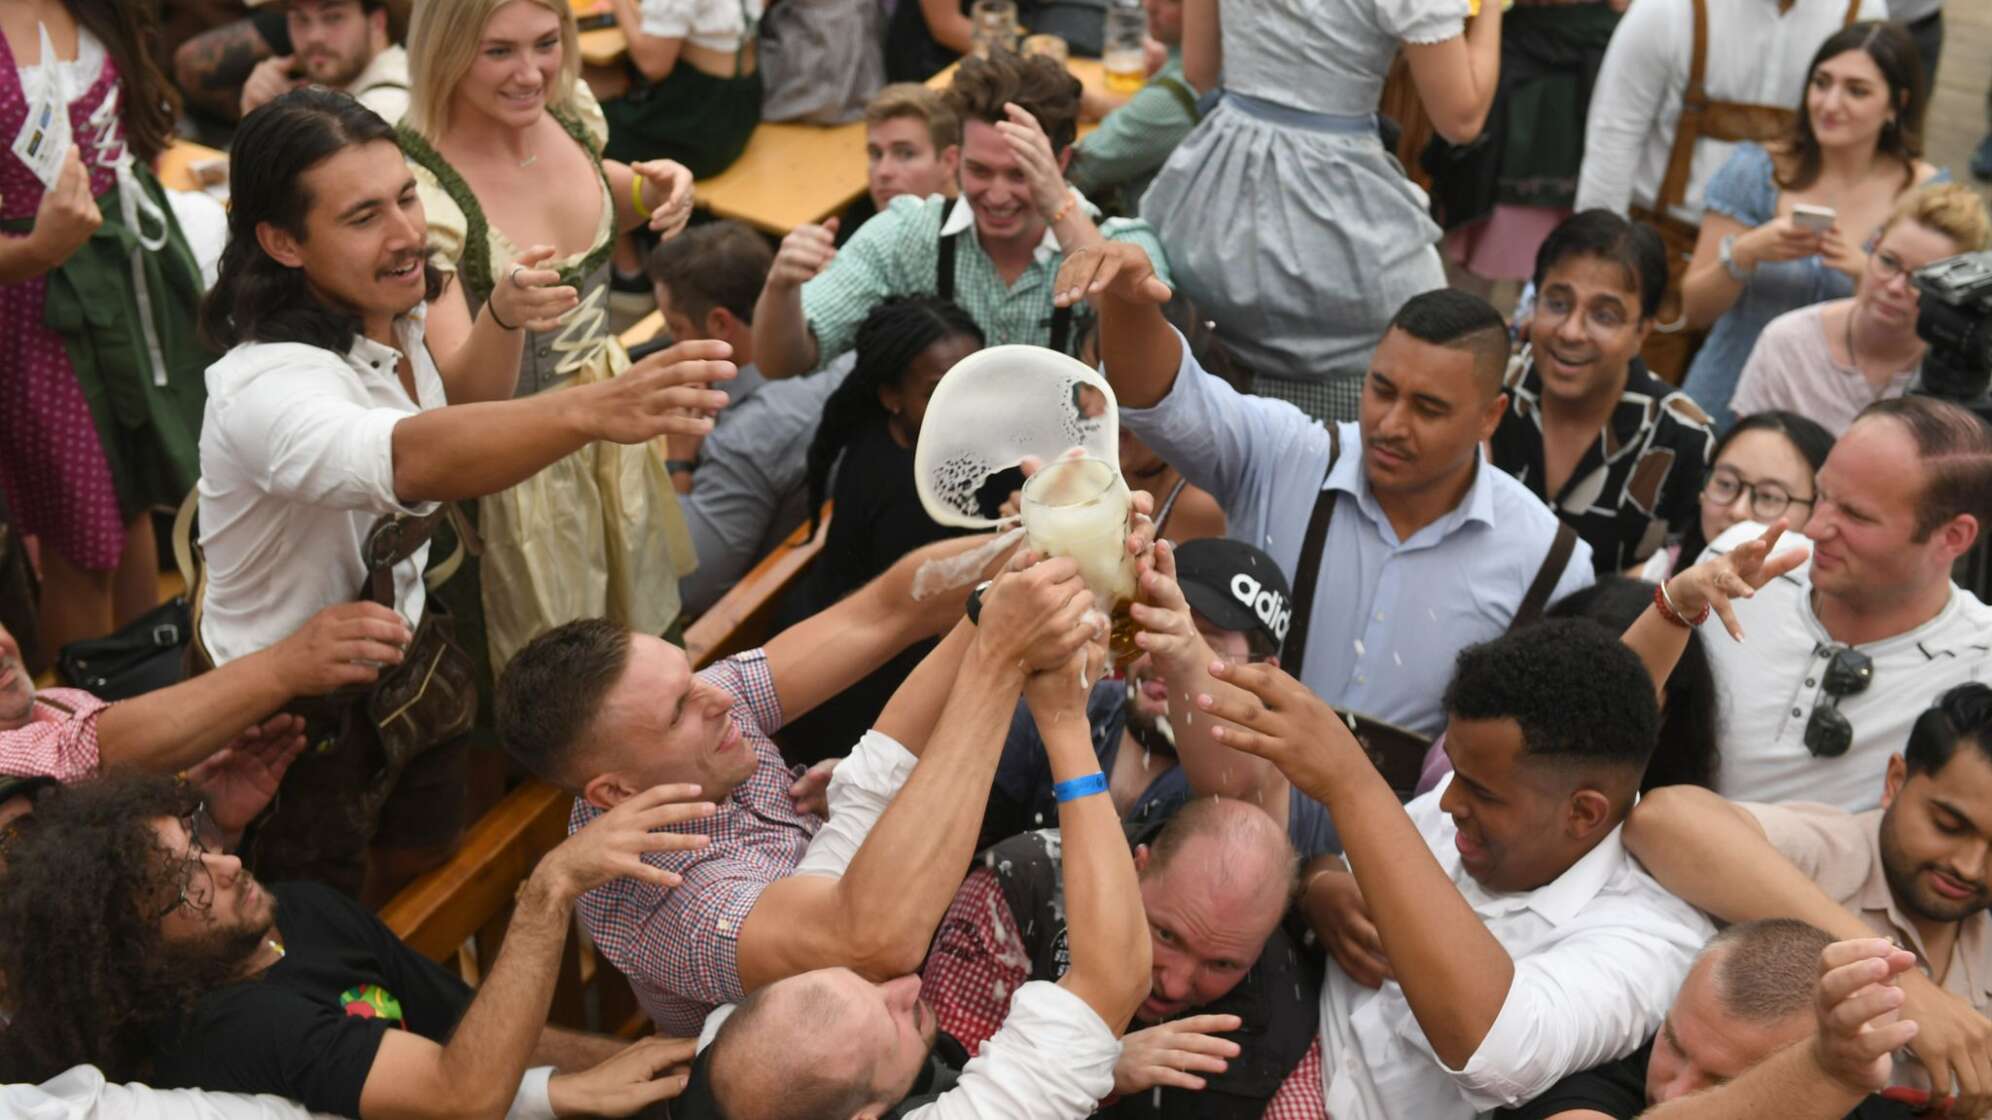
[679,946]
[978,962]
[59,740]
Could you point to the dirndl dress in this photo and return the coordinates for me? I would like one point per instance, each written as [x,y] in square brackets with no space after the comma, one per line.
[599,533]
[1287,221]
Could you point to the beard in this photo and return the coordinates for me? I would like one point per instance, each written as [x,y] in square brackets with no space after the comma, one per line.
[219,954]
[1905,881]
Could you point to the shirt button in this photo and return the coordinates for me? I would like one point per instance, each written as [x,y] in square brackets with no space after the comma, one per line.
[1797,712]
[1379,616]
[1360,679]
[1810,681]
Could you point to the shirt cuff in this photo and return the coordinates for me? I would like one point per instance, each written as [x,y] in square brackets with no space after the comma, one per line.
[861,787]
[533,1101]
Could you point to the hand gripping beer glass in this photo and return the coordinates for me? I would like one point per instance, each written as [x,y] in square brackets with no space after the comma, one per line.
[1006,404]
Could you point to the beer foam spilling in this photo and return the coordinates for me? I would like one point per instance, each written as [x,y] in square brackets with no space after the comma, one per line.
[995,409]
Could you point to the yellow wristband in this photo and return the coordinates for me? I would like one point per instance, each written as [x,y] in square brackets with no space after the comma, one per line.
[636,194]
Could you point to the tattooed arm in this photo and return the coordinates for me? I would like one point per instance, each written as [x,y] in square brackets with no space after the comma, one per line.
[211,67]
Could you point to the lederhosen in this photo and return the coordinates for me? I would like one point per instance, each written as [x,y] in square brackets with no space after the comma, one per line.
[1398,752]
[362,740]
[1669,349]
[1278,999]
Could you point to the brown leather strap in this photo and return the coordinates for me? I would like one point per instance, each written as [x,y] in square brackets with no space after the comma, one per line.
[392,539]
[1706,119]
[1853,13]
[1293,651]
[1546,576]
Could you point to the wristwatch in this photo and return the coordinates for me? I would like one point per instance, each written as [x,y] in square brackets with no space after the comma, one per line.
[1726,253]
[975,602]
[681,466]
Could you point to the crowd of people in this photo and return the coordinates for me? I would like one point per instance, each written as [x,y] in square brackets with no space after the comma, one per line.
[1621,747]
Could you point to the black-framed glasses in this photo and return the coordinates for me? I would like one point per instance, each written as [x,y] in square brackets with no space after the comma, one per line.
[1828,734]
[1768,500]
[196,881]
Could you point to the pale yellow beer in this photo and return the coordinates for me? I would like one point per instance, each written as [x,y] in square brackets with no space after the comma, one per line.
[1081,508]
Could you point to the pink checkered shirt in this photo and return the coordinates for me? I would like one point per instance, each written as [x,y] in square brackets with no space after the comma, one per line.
[679,947]
[59,740]
[976,965]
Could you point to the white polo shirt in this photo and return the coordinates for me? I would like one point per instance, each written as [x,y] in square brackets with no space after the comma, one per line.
[297,463]
[1599,954]
[1771,681]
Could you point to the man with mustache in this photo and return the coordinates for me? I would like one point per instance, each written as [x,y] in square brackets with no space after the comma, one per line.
[1429,550]
[1915,871]
[340,44]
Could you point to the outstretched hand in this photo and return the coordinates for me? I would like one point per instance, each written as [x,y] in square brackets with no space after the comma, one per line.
[638,1076]
[1271,715]
[612,846]
[668,190]
[1112,269]
[239,780]
[1737,574]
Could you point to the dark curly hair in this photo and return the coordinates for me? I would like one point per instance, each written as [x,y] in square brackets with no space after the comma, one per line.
[1688,750]
[894,334]
[1579,694]
[255,298]
[1039,85]
[89,977]
[1964,714]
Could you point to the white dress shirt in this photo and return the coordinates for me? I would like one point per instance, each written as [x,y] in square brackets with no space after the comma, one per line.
[1773,679]
[1599,954]
[297,462]
[82,1093]
[1756,55]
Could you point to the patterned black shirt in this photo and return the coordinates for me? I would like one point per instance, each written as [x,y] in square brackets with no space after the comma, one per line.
[1638,483]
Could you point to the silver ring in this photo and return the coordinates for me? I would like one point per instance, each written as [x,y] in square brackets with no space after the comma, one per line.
[516,269]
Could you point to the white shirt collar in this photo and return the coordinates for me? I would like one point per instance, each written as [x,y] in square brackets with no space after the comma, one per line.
[961,216]
[1557,901]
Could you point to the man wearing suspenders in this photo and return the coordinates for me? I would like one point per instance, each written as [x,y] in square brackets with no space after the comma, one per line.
[1682,82]
[1403,546]
[994,251]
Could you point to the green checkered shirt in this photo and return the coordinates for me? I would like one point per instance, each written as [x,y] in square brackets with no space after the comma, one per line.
[894,254]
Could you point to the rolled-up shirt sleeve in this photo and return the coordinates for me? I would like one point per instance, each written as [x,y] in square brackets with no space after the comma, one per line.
[1593,998]
[861,786]
[64,749]
[1224,442]
[1629,102]
[1052,1060]
[321,447]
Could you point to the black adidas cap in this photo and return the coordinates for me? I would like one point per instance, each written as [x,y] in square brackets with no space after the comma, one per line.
[1236,587]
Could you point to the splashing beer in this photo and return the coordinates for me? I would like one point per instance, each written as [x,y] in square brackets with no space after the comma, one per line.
[1080,508]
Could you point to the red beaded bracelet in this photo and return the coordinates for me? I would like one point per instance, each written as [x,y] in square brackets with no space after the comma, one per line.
[1665,605]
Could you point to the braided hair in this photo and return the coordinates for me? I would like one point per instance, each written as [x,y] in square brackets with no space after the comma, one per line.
[897,331]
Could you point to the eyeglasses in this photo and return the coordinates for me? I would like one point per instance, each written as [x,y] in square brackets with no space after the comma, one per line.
[1848,673]
[1887,266]
[196,881]
[1767,499]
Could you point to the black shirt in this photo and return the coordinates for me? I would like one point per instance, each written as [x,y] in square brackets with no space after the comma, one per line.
[1618,1089]
[1638,483]
[309,1027]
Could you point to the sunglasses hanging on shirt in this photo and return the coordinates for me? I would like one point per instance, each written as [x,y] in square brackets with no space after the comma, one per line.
[1828,734]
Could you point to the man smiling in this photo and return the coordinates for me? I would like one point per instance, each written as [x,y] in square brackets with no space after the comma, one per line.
[995,251]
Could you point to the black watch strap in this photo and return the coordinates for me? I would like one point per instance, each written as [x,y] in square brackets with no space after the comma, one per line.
[975,602]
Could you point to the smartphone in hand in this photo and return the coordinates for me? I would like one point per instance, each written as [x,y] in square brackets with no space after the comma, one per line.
[1818,219]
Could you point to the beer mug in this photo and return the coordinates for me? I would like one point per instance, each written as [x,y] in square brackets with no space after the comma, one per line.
[992,26]
[1122,52]
[1080,507]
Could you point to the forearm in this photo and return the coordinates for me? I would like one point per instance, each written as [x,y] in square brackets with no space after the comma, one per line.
[1708,291]
[496,1039]
[1714,856]
[1139,350]
[1454,973]
[947,24]
[1075,231]
[572,1051]
[622,191]
[655,56]
[21,259]
[1658,642]
[1213,769]
[173,728]
[1203,45]
[784,346]
[909,868]
[485,366]
[468,451]
[1790,1085]
[1108,926]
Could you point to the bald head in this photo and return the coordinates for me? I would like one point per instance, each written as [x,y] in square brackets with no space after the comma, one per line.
[1228,840]
[781,1055]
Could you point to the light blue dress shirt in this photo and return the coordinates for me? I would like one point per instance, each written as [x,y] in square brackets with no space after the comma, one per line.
[1390,616]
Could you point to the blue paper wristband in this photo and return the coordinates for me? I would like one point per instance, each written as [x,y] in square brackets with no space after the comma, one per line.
[1072,789]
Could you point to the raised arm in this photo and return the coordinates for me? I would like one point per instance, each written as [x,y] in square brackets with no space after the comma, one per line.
[175,727]
[1203,45]
[1139,350]
[477,356]
[1108,928]
[1455,975]
[1711,586]
[1456,77]
[468,451]
[879,916]
[477,1072]
[784,346]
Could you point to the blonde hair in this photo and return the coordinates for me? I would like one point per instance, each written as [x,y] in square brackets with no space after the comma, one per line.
[1951,209]
[917,102]
[444,37]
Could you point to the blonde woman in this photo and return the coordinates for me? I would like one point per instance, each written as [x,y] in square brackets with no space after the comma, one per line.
[506,147]
[1829,361]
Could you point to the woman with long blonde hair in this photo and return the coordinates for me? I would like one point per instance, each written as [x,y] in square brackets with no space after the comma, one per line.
[506,146]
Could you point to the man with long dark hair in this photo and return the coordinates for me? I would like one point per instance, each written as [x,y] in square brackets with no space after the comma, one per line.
[329,419]
[131,941]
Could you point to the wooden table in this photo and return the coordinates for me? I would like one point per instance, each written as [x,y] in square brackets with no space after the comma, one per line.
[793,174]
[175,167]
[603,46]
